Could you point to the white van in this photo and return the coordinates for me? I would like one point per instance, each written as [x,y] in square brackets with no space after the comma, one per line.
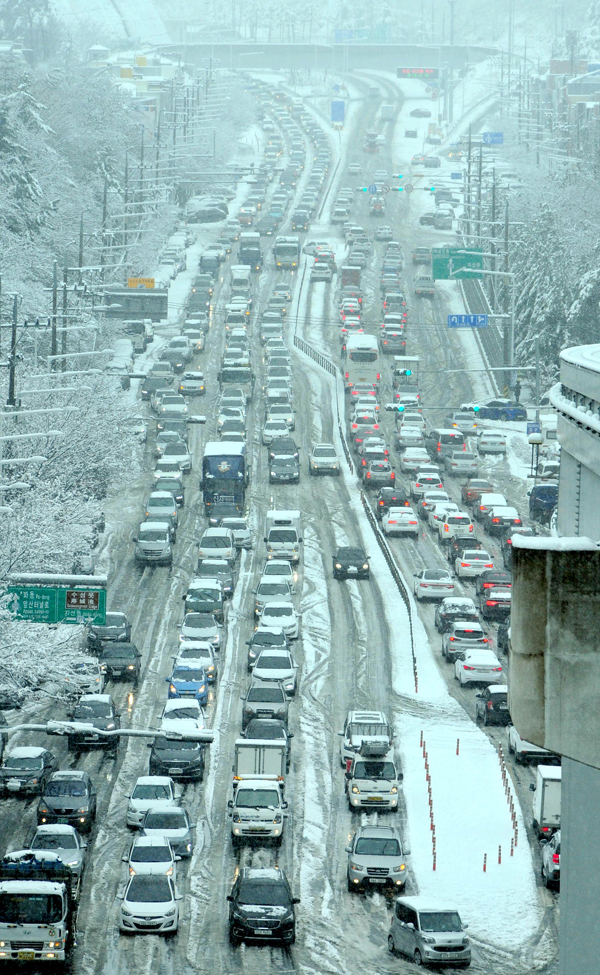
[282,535]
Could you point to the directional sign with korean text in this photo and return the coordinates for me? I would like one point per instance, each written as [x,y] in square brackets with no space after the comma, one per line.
[48,604]
[467,321]
[493,138]
[456,175]
[140,283]
[452,262]
[425,74]
[533,426]
[338,110]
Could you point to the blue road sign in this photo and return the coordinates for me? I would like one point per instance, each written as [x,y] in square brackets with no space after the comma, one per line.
[467,321]
[336,87]
[456,175]
[373,189]
[338,110]
[493,138]
[533,427]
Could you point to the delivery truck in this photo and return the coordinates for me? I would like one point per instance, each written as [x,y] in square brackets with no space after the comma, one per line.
[546,800]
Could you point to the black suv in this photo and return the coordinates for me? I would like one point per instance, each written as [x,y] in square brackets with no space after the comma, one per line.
[283,447]
[116,629]
[491,705]
[220,510]
[255,894]
[68,797]
[390,498]
[351,563]
[454,609]
[493,579]
[182,760]
[458,544]
[506,542]
[97,710]
[121,661]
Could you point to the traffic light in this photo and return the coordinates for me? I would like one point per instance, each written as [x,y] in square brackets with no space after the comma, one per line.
[400,408]
[475,409]
[408,372]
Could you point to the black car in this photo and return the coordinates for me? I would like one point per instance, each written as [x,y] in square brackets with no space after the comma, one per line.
[454,609]
[351,563]
[68,797]
[458,544]
[270,729]
[388,498]
[182,760]
[420,113]
[121,661]
[175,424]
[150,384]
[173,485]
[491,705]
[284,470]
[26,770]
[494,604]
[261,907]
[283,447]
[205,600]
[220,510]
[97,710]
[506,542]
[267,225]
[116,629]
[493,579]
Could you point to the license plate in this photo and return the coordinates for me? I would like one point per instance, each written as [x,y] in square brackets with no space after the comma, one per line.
[375,798]
[116,673]
[62,820]
[174,771]
[26,955]
[377,880]
[503,707]
[13,785]
[257,829]
[262,931]
[352,569]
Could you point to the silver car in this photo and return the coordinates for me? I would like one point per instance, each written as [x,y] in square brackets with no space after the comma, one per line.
[376,856]
[65,842]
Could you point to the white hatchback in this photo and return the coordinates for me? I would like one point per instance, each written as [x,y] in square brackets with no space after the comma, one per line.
[150,905]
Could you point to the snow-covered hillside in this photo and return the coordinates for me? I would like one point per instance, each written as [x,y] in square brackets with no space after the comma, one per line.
[137,20]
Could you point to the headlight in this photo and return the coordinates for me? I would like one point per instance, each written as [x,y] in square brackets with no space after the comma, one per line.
[111,726]
[126,913]
[428,941]
[273,473]
[215,638]
[277,818]
[131,872]
[237,818]
[394,790]
[171,912]
[399,868]
[130,667]
[72,863]
[189,847]
[172,689]
[338,565]
[366,565]
[202,689]
[289,685]
[82,810]
[355,866]
[355,790]
[43,810]
[210,668]
[252,653]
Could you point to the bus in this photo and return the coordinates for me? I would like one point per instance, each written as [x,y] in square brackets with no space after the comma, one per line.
[361,360]
[224,474]
[286,251]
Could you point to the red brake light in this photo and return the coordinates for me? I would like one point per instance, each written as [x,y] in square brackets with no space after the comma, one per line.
[556,858]
[495,520]
[347,375]
[452,638]
[490,705]
[491,602]
[497,669]
[465,565]
[368,474]
[465,667]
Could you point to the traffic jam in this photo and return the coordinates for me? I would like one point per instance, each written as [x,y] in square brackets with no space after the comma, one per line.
[269,621]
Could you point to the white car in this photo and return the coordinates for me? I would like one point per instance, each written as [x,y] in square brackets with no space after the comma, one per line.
[491,442]
[282,411]
[412,418]
[183,709]
[202,627]
[414,459]
[273,664]
[217,543]
[273,429]
[150,904]
[433,584]
[198,653]
[242,535]
[151,856]
[472,563]
[280,569]
[400,521]
[454,523]
[355,169]
[478,667]
[281,615]
[425,481]
[431,498]
[178,452]
[150,792]
[437,512]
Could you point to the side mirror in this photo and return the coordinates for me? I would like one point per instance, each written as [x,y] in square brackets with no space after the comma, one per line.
[265,538]
[406,852]
[543,842]
[177,858]
[230,803]
[229,897]
[284,805]
[295,900]
[178,897]
[149,744]
[411,926]
[532,786]
[341,734]
[348,775]
[347,849]
[124,858]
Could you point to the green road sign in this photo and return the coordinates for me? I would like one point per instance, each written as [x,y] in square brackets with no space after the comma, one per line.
[74,603]
[452,262]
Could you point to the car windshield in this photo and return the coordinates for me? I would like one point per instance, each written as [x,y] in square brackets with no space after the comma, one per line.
[183,713]
[273,663]
[27,908]
[215,541]
[269,695]
[23,764]
[376,846]
[273,588]
[282,535]
[155,535]
[435,574]
[263,894]
[272,610]
[209,594]
[257,798]
[265,729]
[65,787]
[188,675]
[112,619]
[92,709]
[151,791]
[265,639]
[122,651]
[165,820]
[440,921]
[166,745]
[54,841]
[150,854]
[160,503]
[374,770]
[149,890]
[285,462]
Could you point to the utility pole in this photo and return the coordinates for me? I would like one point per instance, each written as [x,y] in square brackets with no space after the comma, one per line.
[81,248]
[506,333]
[12,359]
[104,220]
[63,338]
[53,348]
[479,192]
[451,65]
[537,378]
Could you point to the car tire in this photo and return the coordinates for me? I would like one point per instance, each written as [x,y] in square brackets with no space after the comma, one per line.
[234,940]
[391,945]
[418,958]
[504,416]
[485,719]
